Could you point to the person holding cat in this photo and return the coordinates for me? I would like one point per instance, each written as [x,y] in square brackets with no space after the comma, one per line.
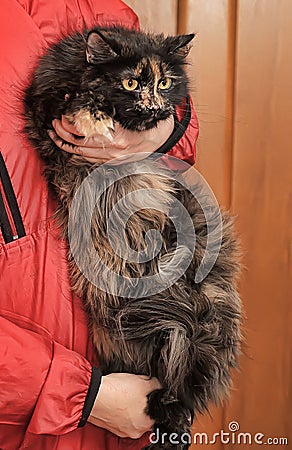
[49,377]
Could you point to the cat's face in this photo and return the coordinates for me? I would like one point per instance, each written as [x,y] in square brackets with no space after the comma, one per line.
[138,78]
[145,92]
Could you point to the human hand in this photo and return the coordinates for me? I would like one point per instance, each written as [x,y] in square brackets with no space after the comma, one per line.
[120,404]
[126,145]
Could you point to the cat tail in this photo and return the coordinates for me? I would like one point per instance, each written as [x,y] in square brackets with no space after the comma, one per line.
[190,342]
[165,324]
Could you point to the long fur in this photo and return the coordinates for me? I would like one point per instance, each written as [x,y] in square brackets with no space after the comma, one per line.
[188,335]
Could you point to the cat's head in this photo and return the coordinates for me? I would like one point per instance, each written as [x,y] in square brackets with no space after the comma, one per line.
[143,74]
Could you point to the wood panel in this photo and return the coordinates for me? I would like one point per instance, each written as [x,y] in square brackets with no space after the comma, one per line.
[212,74]
[157,16]
[262,198]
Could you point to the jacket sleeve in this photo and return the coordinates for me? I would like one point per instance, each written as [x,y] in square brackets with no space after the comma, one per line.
[42,383]
[56,18]
[185,147]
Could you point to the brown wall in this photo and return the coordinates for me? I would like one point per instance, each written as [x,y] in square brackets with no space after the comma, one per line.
[242,88]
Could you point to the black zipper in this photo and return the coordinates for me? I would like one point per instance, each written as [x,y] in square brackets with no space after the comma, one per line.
[6,228]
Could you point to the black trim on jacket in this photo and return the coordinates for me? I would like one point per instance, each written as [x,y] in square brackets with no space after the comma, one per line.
[4,222]
[91,395]
[12,204]
[179,129]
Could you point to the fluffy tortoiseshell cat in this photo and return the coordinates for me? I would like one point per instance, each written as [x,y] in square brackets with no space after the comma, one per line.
[187,335]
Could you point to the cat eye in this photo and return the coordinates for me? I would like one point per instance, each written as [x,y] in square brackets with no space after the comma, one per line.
[130,84]
[165,83]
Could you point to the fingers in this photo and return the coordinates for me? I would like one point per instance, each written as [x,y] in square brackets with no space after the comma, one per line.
[64,134]
[121,404]
[93,155]
[69,127]
[62,144]
[127,146]
[91,149]
[68,133]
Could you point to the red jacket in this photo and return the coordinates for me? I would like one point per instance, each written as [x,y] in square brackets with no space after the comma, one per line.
[45,355]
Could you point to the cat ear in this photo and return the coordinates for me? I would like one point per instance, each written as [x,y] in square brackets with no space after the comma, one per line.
[99,47]
[178,45]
